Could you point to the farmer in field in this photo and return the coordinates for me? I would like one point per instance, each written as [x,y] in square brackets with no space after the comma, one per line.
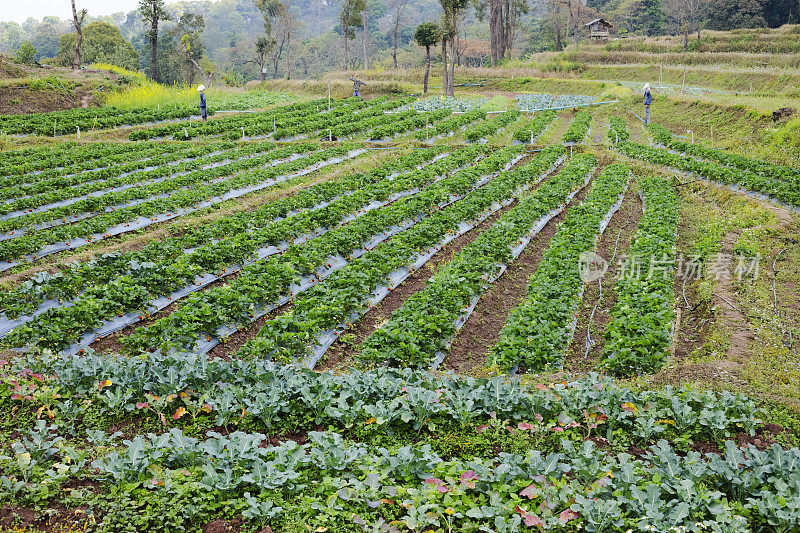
[203,112]
[648,98]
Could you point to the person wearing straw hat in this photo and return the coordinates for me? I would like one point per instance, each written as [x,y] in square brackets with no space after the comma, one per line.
[648,99]
[203,112]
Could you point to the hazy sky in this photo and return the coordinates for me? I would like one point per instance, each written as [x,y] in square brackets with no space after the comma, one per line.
[20,10]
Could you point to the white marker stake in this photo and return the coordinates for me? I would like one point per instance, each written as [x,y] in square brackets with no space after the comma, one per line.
[185,133]
[79,132]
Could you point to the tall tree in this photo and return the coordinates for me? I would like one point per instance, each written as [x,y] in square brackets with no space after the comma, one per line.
[152,12]
[397,7]
[350,18]
[427,35]
[78,23]
[263,47]
[688,15]
[190,32]
[451,16]
[556,20]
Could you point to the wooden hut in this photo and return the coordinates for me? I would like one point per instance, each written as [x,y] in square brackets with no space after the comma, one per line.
[599,29]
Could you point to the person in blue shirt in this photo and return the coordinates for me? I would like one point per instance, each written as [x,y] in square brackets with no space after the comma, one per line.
[203,112]
[648,99]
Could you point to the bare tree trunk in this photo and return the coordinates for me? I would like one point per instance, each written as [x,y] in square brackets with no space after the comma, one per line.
[394,38]
[277,58]
[451,78]
[427,69]
[261,70]
[346,62]
[78,22]
[154,48]
[493,23]
[288,55]
[556,14]
[445,72]
[365,39]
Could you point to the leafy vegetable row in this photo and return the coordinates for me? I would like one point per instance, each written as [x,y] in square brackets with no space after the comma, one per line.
[579,127]
[783,191]
[426,322]
[539,330]
[638,336]
[273,395]
[266,282]
[490,127]
[539,123]
[185,199]
[162,266]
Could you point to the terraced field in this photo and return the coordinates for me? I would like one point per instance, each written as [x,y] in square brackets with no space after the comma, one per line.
[237,323]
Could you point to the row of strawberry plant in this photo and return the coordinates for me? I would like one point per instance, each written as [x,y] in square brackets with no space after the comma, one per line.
[395,124]
[66,158]
[535,127]
[423,327]
[42,194]
[451,124]
[367,123]
[347,294]
[490,127]
[339,121]
[352,112]
[232,124]
[146,213]
[777,189]
[275,395]
[639,334]
[538,331]
[663,136]
[164,266]
[66,122]
[266,282]
[191,174]
[114,297]
[618,130]
[106,167]
[579,127]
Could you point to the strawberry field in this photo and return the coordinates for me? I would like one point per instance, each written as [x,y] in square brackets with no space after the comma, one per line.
[380,315]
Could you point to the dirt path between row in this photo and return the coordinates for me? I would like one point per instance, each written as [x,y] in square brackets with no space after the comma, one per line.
[482,329]
[613,245]
[731,313]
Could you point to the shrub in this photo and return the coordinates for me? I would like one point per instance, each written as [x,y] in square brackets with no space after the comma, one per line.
[26,54]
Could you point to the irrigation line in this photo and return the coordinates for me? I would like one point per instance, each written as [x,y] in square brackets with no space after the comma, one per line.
[728,302]
[589,342]
[775,277]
